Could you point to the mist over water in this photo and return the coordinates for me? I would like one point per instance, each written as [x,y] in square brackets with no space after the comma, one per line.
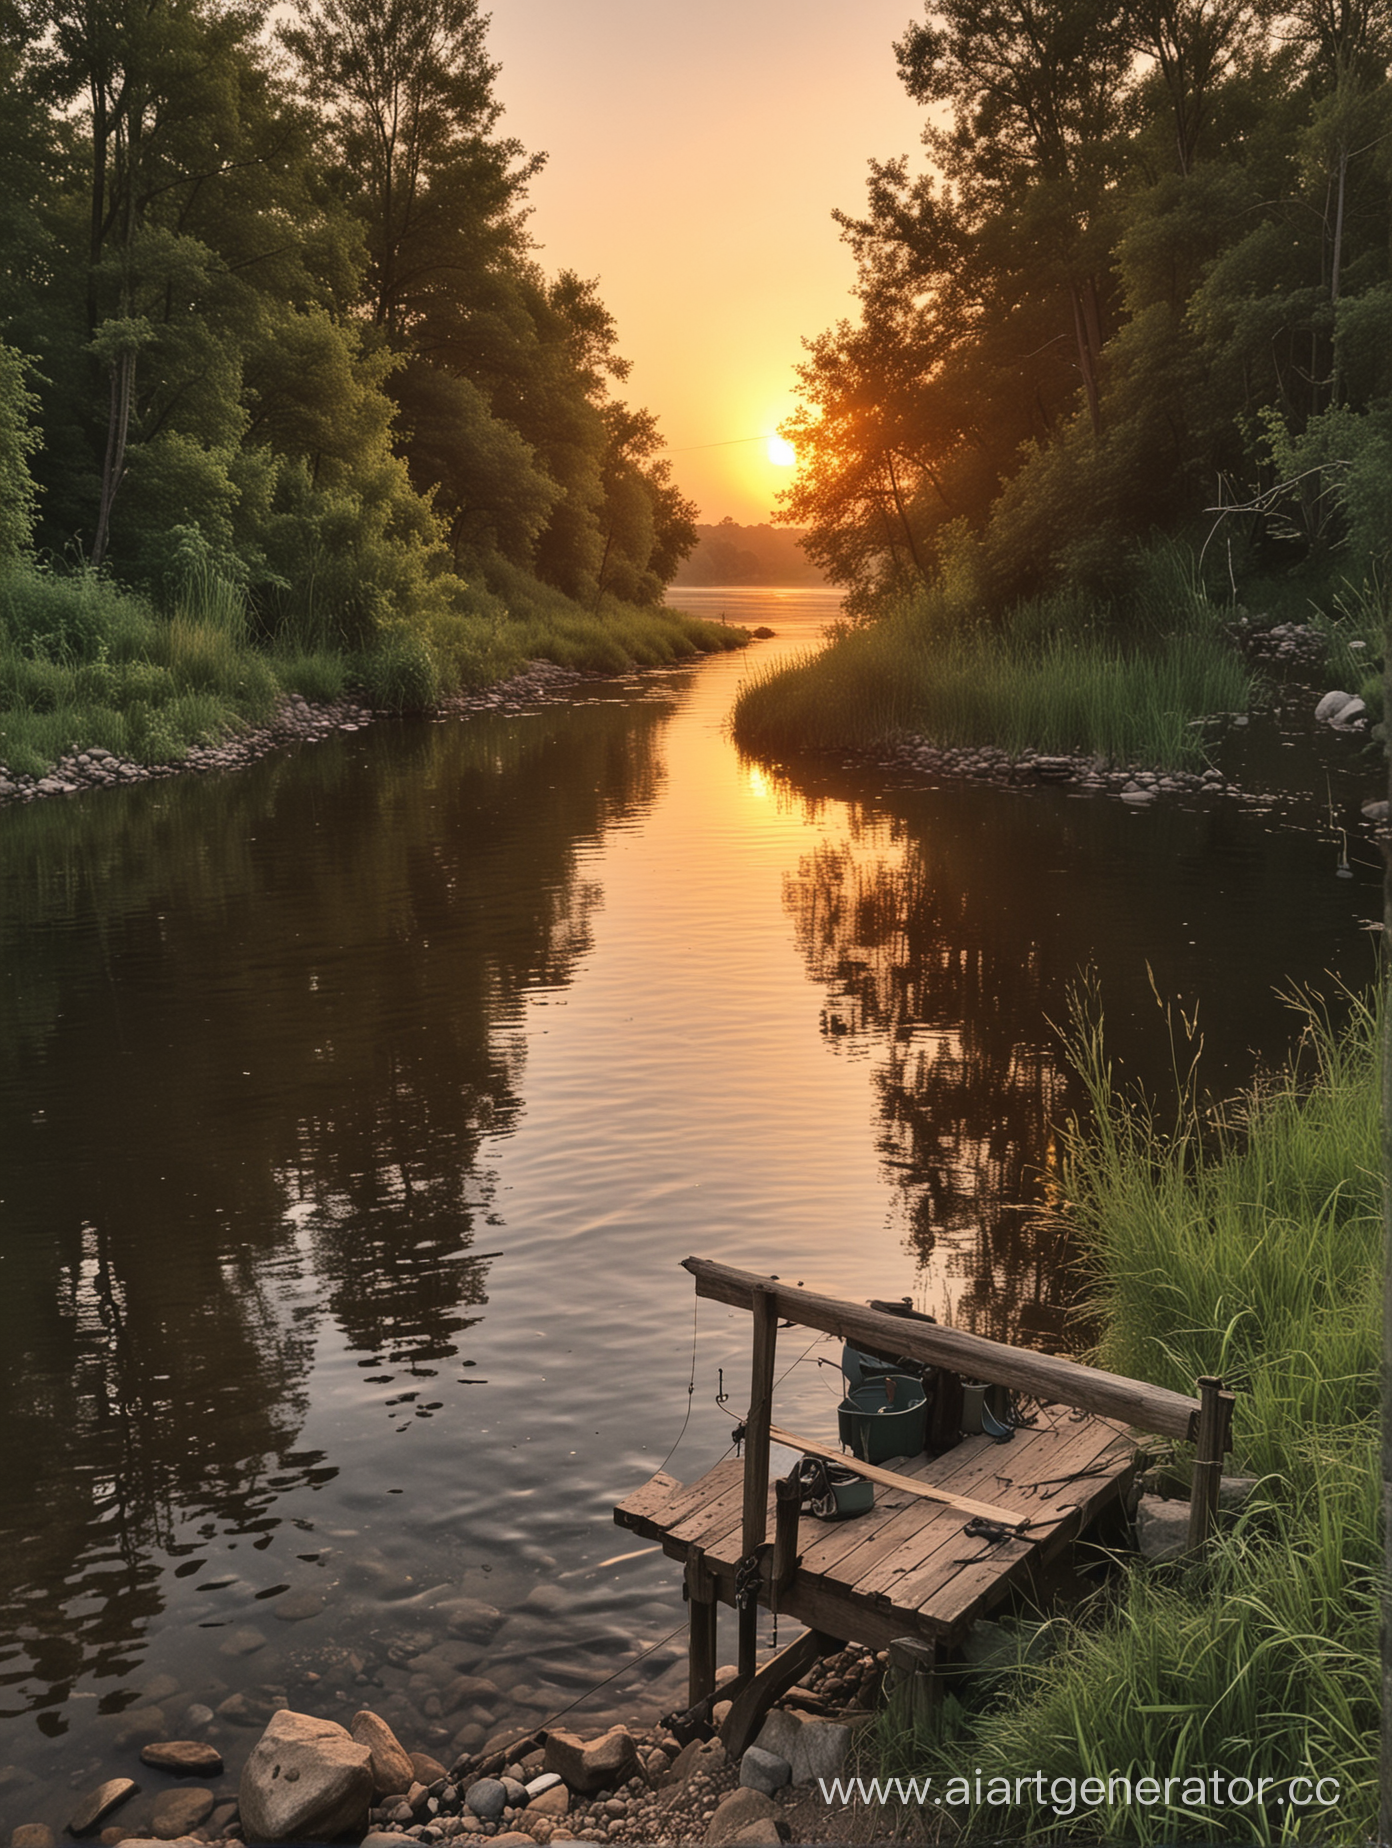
[358,1109]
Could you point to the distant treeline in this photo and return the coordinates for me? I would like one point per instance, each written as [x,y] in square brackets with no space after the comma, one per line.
[1146,275]
[270,315]
[734,554]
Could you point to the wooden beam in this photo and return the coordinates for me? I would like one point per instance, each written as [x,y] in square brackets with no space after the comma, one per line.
[703,1605]
[754,1525]
[1045,1376]
[787,1512]
[889,1480]
[746,1716]
[1214,1420]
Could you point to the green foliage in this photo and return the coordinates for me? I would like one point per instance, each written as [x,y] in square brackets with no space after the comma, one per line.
[1052,675]
[350,422]
[18,440]
[83,662]
[1151,244]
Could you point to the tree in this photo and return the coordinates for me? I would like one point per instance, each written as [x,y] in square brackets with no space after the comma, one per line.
[18,440]
[1038,89]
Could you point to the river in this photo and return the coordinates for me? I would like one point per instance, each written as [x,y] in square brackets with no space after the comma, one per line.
[358,1108]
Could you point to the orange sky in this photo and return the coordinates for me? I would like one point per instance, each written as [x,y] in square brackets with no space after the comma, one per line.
[696,153]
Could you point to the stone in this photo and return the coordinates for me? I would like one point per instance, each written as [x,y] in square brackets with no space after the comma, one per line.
[1331,706]
[183,1757]
[779,1732]
[766,1771]
[1162,1528]
[594,1764]
[465,1689]
[989,1646]
[387,1838]
[180,1812]
[158,1688]
[820,1751]
[99,1803]
[470,1617]
[140,1726]
[487,1798]
[513,1838]
[1348,716]
[539,1785]
[198,1716]
[1235,1492]
[32,1835]
[297,1606]
[699,1755]
[242,1642]
[553,1802]
[765,1834]
[738,1811]
[389,1761]
[428,1770]
[305,1778]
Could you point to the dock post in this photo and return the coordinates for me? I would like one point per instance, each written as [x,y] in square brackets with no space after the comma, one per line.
[704,1606]
[787,1510]
[1215,1418]
[756,1469]
[915,1690]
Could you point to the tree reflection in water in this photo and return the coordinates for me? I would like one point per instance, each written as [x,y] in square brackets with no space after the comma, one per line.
[968,1098]
[256,1032]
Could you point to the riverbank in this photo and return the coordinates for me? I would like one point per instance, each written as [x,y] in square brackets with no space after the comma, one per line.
[99,686]
[295,720]
[1137,684]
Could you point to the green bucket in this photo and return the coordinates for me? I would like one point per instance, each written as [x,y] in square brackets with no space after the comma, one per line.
[884,1418]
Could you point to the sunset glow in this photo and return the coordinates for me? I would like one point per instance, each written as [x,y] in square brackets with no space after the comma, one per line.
[781,452]
[715,271]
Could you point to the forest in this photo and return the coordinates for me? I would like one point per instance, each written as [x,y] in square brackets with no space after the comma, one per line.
[1142,288]
[276,352]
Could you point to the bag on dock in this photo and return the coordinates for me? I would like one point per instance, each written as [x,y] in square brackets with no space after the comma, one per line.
[835,1494]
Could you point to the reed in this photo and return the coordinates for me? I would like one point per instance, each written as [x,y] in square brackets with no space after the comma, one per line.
[1079,692]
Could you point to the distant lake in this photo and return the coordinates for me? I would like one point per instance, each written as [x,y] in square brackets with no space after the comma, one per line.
[357,1110]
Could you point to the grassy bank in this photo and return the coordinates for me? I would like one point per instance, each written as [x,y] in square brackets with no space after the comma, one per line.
[1252,1251]
[1059,674]
[85,662]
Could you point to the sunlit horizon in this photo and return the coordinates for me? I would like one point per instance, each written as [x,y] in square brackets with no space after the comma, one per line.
[716,254]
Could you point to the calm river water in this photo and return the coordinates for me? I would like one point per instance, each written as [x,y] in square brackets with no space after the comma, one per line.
[357,1110]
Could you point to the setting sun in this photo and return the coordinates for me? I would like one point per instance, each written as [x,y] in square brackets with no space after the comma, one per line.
[781,452]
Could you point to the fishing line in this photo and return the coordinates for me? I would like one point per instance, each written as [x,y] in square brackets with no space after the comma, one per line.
[690,1394]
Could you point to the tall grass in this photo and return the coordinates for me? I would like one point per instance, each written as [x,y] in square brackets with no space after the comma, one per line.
[1249,1249]
[1060,673]
[1081,694]
[85,662]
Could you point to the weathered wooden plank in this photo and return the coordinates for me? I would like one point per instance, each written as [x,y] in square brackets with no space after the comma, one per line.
[1046,1376]
[756,1424]
[650,1501]
[976,1587]
[873,1473]
[752,1702]
[684,1503]
[1041,1455]
[823,1605]
[713,1518]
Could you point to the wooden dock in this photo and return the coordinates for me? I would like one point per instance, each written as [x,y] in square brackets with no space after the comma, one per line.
[915,1571]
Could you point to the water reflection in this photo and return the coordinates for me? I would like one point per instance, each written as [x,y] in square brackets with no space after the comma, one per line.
[948,928]
[255,1035]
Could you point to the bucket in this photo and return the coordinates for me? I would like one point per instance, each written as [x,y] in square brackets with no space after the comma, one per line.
[884,1418]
